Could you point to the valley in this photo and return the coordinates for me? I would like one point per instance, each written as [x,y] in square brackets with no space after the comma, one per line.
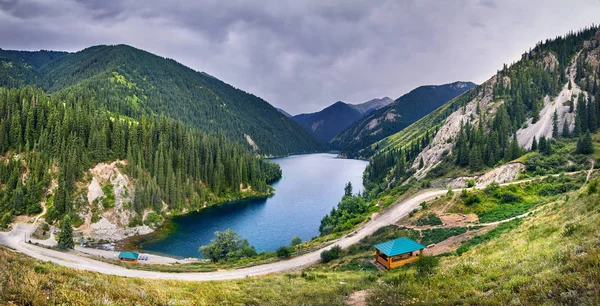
[112,150]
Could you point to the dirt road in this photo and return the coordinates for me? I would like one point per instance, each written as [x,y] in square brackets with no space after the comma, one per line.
[15,240]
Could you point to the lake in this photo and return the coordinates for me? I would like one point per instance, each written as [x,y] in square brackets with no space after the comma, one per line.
[311,185]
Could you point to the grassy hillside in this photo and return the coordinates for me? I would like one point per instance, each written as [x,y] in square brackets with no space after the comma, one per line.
[549,258]
[133,82]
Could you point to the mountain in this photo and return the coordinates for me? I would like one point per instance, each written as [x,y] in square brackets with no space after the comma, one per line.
[284,112]
[396,116]
[335,118]
[544,106]
[328,122]
[134,83]
[372,105]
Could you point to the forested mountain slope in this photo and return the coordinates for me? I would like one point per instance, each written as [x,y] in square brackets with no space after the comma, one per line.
[133,82]
[48,143]
[395,116]
[551,93]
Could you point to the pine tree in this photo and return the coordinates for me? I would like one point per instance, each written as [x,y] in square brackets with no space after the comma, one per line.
[475,160]
[65,238]
[542,144]
[555,124]
[534,144]
[585,144]
[348,189]
[565,131]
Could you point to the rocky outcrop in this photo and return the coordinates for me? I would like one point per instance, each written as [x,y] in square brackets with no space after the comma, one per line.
[560,105]
[442,142]
[110,204]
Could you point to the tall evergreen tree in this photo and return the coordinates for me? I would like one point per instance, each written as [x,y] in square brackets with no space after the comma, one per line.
[65,238]
[555,125]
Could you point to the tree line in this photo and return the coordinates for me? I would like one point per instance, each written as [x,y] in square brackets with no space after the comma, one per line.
[45,137]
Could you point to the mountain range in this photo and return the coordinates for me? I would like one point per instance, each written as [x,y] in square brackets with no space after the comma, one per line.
[137,83]
[395,116]
[335,118]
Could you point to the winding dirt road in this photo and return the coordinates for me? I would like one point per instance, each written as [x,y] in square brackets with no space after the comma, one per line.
[15,240]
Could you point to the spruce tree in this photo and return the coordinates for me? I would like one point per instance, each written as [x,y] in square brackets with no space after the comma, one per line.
[534,144]
[348,189]
[542,144]
[555,124]
[565,131]
[65,238]
[585,144]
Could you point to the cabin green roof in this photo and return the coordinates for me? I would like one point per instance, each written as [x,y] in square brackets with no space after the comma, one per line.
[399,246]
[129,255]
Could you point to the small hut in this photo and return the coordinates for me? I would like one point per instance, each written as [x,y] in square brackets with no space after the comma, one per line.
[129,257]
[398,252]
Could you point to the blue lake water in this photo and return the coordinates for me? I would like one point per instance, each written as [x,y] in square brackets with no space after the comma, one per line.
[311,185]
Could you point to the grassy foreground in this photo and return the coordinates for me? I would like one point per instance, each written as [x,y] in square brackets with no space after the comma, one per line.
[550,258]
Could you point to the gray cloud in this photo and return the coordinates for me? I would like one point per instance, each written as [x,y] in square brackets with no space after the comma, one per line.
[304,55]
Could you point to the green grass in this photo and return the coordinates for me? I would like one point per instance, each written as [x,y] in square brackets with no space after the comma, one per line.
[496,203]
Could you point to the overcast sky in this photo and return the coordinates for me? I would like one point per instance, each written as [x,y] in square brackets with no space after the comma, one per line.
[304,55]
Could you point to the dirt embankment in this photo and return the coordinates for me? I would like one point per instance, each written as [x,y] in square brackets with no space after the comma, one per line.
[502,174]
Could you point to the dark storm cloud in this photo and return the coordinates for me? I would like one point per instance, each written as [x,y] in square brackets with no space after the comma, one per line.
[303,55]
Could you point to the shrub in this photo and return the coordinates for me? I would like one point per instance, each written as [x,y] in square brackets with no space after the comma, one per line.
[227,245]
[430,219]
[283,252]
[296,241]
[331,254]
[592,187]
[569,230]
[509,197]
[472,199]
[153,219]
[426,265]
[135,221]
[470,183]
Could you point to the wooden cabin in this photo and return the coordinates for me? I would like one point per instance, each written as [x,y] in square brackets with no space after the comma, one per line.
[398,252]
[129,257]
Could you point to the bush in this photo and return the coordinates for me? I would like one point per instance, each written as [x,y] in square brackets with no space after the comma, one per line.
[227,245]
[430,219]
[472,199]
[283,252]
[470,183]
[135,221]
[331,254]
[592,187]
[509,197]
[296,241]
[153,219]
[426,265]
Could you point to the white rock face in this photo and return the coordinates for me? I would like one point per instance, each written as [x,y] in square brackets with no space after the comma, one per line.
[440,144]
[543,127]
[113,222]
[505,173]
